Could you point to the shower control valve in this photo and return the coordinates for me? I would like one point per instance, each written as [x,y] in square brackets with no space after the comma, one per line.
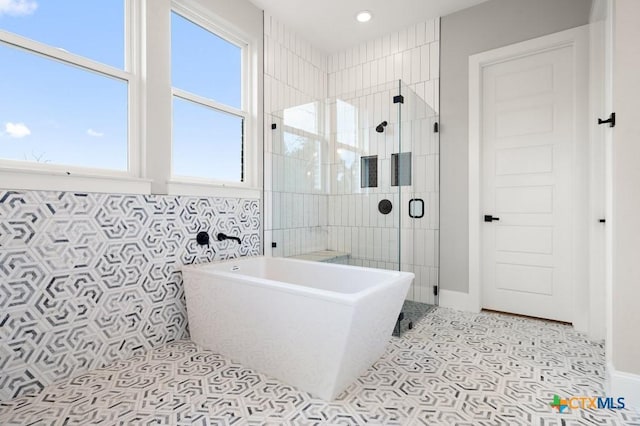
[202,238]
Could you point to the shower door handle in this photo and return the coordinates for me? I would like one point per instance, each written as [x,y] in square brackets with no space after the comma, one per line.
[489,218]
[416,208]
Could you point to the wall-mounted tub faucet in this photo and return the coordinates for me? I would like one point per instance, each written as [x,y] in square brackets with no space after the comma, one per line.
[222,237]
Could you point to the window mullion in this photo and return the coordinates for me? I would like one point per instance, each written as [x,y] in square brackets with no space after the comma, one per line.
[130,35]
[134,10]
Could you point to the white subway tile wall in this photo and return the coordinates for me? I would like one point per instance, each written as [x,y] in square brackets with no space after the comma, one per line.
[411,55]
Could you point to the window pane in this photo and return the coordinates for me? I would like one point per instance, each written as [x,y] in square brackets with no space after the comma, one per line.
[59,114]
[303,117]
[302,161]
[205,64]
[347,123]
[94,29]
[207,143]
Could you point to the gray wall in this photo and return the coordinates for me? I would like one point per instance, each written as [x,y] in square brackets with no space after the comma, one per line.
[487,26]
[625,291]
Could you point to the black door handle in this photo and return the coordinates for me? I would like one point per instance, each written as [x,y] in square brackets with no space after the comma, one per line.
[489,218]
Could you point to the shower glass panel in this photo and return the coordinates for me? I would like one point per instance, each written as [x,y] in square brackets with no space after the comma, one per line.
[340,174]
[419,235]
[296,181]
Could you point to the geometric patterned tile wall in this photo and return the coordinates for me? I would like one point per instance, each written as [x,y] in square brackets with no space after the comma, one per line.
[88,278]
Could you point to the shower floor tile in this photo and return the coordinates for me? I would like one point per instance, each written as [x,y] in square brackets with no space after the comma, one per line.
[452,368]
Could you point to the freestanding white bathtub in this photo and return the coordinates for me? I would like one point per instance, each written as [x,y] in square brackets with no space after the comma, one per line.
[312,325]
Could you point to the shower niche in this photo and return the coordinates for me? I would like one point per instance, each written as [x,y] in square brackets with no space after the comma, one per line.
[330,163]
[401,169]
[369,171]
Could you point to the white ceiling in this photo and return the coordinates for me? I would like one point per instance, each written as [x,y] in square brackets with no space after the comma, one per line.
[330,25]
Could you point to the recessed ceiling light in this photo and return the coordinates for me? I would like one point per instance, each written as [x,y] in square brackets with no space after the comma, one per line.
[363,16]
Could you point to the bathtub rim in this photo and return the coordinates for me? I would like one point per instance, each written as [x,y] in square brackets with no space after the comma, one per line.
[393,278]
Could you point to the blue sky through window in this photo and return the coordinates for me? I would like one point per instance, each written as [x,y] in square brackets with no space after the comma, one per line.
[56,113]
[59,114]
[90,28]
[205,64]
[207,143]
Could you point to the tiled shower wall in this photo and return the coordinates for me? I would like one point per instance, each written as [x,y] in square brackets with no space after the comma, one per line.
[295,74]
[86,279]
[410,55]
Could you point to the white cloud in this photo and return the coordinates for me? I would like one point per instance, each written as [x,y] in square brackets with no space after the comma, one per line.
[17,130]
[94,134]
[17,7]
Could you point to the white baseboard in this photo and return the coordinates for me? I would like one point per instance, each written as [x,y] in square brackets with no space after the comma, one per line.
[621,384]
[457,300]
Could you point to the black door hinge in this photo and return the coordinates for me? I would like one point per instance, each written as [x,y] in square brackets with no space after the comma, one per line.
[435,127]
[398,99]
[435,290]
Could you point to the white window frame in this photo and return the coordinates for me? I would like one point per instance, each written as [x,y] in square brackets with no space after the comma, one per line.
[203,186]
[19,174]
[147,37]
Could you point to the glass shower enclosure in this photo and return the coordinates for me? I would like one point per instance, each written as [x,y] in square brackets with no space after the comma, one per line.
[354,180]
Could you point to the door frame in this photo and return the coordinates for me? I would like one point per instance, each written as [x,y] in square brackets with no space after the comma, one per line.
[578,39]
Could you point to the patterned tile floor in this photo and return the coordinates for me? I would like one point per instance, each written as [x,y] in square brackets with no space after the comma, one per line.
[453,368]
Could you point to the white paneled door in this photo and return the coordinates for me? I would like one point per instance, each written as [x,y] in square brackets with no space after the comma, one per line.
[527,119]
